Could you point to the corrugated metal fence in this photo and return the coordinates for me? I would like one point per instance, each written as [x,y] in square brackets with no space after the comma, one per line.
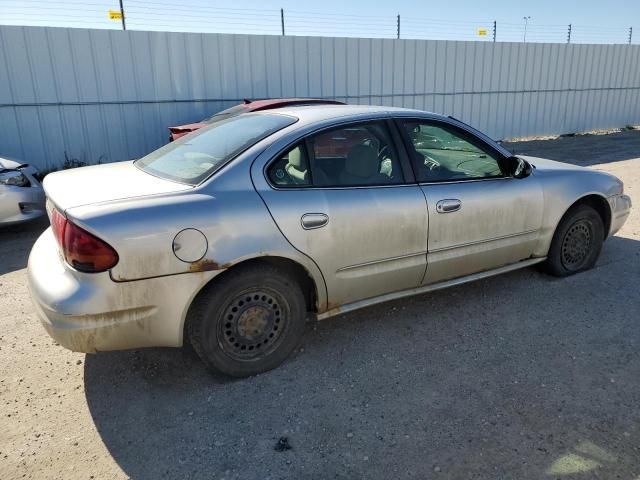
[104,95]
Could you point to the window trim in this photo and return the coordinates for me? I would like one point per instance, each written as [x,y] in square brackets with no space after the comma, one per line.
[408,145]
[394,137]
[401,149]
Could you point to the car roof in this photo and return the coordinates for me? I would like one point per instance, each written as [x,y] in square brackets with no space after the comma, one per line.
[318,113]
[309,115]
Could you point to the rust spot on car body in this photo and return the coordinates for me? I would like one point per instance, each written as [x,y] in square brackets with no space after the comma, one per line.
[206,265]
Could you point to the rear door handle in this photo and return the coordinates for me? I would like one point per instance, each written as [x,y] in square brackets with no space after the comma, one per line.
[310,221]
[448,205]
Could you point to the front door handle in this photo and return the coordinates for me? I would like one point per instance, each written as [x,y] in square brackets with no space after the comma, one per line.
[448,205]
[310,221]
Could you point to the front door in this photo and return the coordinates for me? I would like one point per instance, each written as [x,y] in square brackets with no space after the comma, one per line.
[340,197]
[479,218]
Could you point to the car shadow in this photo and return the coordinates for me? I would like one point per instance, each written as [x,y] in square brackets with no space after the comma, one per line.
[16,242]
[514,376]
[582,150]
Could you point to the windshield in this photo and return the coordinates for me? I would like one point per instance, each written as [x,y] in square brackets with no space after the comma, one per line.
[194,157]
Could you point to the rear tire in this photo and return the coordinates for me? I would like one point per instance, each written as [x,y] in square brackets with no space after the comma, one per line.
[576,243]
[249,322]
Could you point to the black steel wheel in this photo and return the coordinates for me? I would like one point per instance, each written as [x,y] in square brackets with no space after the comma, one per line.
[577,242]
[248,321]
[254,323]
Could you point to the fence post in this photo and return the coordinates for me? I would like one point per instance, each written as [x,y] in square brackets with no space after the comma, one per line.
[630,34]
[282,20]
[398,26]
[124,25]
[569,34]
[495,28]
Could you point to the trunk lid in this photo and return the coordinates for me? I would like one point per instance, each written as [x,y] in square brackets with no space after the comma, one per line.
[104,183]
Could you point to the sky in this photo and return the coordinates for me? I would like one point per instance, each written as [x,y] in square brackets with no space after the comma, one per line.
[593,21]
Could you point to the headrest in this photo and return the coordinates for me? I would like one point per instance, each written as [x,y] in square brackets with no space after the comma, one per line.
[295,159]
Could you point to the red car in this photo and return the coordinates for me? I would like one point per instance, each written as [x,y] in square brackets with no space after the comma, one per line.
[247,106]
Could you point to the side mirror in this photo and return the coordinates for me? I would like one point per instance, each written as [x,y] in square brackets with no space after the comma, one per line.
[517,167]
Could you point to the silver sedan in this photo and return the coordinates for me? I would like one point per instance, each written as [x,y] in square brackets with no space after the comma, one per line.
[231,237]
[21,194]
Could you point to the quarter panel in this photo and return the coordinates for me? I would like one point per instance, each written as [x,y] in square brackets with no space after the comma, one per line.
[227,210]
[563,188]
[563,185]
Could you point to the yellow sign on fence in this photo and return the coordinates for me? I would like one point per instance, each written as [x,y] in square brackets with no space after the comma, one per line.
[115,15]
[482,32]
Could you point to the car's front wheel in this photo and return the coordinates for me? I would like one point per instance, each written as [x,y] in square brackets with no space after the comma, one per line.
[248,322]
[577,242]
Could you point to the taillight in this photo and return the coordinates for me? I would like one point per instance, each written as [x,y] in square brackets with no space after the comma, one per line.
[82,250]
[58,222]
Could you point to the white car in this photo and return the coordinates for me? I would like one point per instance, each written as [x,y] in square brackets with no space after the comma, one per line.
[21,194]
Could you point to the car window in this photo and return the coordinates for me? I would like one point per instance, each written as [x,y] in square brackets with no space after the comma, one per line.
[194,157]
[442,152]
[357,155]
[291,169]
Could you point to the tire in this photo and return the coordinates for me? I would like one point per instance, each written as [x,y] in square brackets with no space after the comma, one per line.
[249,322]
[576,243]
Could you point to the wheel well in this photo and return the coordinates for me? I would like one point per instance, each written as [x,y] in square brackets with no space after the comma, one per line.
[285,265]
[303,277]
[600,205]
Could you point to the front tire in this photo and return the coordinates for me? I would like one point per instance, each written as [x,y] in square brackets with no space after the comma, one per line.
[576,243]
[248,322]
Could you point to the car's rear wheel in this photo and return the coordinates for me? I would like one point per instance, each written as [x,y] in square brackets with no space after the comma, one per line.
[577,242]
[248,322]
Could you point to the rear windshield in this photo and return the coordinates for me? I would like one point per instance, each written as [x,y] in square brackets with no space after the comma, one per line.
[194,157]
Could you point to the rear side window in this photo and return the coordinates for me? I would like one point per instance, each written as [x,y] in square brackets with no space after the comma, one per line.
[194,157]
[291,169]
[350,156]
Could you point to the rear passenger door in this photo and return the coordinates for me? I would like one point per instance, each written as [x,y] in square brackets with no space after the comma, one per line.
[341,197]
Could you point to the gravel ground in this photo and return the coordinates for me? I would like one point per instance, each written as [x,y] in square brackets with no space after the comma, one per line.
[518,376]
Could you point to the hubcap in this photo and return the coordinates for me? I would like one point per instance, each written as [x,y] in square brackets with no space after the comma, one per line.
[576,245]
[252,324]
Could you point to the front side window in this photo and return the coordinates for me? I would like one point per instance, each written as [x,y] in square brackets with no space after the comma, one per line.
[194,157]
[443,153]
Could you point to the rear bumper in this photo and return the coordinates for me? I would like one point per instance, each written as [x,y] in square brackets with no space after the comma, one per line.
[620,209]
[90,312]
